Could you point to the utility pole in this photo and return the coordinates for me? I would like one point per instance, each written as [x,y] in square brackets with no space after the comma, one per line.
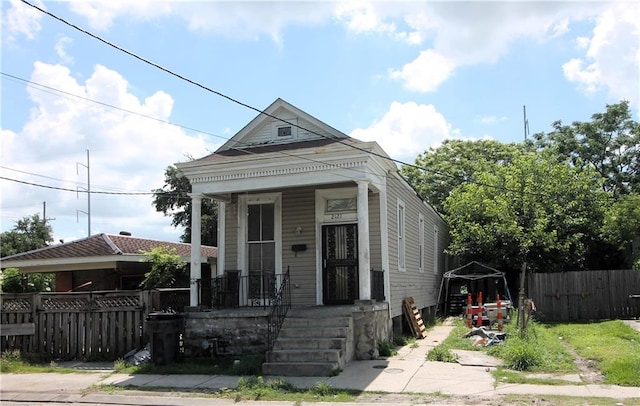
[526,122]
[88,212]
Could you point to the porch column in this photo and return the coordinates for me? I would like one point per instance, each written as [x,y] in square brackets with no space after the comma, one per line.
[196,227]
[222,220]
[364,259]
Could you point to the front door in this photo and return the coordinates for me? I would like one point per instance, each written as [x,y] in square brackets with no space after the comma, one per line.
[339,264]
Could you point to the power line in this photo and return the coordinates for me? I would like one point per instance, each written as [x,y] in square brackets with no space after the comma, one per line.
[262,112]
[41,87]
[206,88]
[81,190]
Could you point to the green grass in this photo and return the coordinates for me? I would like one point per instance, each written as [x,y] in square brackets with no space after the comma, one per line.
[538,351]
[256,388]
[612,344]
[13,362]
[553,400]
[502,375]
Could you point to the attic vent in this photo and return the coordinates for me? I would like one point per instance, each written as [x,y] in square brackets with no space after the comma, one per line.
[125,233]
[284,131]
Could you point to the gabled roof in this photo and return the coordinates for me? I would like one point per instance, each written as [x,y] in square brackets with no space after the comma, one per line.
[258,158]
[99,249]
[280,111]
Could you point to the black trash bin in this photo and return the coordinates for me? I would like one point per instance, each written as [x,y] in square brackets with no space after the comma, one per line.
[165,332]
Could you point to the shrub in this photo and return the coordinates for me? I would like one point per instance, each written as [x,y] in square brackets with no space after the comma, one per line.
[442,354]
[521,354]
[322,389]
[386,349]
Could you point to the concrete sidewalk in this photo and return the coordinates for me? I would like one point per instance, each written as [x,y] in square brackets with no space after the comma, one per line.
[406,373]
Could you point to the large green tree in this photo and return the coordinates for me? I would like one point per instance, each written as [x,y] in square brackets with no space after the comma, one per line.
[440,170]
[532,210]
[609,143]
[173,200]
[29,233]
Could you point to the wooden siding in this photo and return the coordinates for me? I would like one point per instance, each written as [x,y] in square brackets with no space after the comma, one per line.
[266,134]
[422,286]
[375,242]
[230,235]
[298,210]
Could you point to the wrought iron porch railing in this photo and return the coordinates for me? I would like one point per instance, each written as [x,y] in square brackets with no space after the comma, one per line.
[279,307]
[232,290]
[377,285]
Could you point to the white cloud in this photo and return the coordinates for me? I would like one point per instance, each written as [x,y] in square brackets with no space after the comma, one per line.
[407,129]
[488,120]
[478,32]
[127,153]
[360,16]
[612,58]
[60,48]
[22,19]
[101,13]
[426,72]
[229,18]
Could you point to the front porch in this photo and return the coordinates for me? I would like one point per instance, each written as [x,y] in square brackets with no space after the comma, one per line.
[313,340]
[232,290]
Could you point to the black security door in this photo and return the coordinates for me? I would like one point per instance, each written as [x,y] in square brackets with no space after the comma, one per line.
[340,264]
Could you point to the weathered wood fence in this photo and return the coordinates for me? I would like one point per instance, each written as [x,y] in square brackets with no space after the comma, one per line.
[585,295]
[91,326]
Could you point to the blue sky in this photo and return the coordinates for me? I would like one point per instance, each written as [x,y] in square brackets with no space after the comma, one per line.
[406,74]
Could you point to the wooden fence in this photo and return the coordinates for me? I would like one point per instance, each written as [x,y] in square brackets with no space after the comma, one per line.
[585,295]
[62,326]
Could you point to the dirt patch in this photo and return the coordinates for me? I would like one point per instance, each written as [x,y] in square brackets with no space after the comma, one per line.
[589,372]
[447,400]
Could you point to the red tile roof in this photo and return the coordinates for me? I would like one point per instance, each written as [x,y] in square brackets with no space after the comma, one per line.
[107,245]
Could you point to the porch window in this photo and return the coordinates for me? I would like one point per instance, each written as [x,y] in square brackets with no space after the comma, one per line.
[401,236]
[261,249]
[342,205]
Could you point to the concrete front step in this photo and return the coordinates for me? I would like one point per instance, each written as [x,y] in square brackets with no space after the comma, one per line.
[316,322]
[312,342]
[338,343]
[304,356]
[300,368]
[306,332]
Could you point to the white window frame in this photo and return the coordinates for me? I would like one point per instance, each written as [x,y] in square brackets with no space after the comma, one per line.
[279,124]
[421,242]
[401,229]
[243,202]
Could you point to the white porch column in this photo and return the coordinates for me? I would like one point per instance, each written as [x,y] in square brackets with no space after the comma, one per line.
[364,259]
[222,222]
[196,227]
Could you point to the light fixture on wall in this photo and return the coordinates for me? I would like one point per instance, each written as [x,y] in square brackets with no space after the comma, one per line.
[298,230]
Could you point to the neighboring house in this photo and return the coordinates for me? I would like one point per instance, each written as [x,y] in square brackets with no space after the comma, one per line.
[102,261]
[296,194]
